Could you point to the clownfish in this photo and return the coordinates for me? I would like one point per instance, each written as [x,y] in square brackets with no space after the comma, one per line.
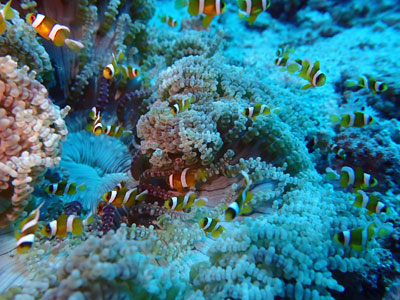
[187,178]
[338,150]
[258,109]
[371,203]
[250,9]
[113,68]
[50,30]
[6,13]
[96,127]
[290,65]
[183,202]
[210,8]
[357,119]
[124,197]
[66,224]
[358,238]
[211,226]
[168,20]
[239,206]
[129,72]
[284,50]
[116,131]
[182,105]
[369,83]
[26,230]
[349,177]
[312,73]
[64,187]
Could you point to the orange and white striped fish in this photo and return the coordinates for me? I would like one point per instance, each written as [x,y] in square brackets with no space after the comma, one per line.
[26,230]
[51,30]
[168,20]
[129,72]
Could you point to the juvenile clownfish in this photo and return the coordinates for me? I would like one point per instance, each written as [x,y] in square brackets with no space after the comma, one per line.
[187,178]
[50,30]
[312,73]
[357,119]
[116,131]
[371,203]
[6,13]
[369,83]
[338,150]
[129,72]
[349,177]
[26,230]
[358,238]
[124,197]
[113,69]
[284,50]
[95,114]
[182,105]
[64,187]
[258,109]
[240,206]
[96,127]
[168,20]
[250,9]
[290,65]
[184,202]
[210,8]
[211,226]
[66,224]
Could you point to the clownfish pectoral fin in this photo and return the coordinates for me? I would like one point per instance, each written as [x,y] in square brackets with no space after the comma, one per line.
[249,196]
[334,118]
[200,202]
[81,187]
[207,20]
[331,174]
[8,13]
[245,210]
[180,4]
[89,127]
[293,67]
[242,15]
[370,213]
[305,87]
[88,220]
[75,46]
[218,232]
[350,83]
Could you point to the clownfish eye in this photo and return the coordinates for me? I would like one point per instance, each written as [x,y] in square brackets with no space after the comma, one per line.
[32,18]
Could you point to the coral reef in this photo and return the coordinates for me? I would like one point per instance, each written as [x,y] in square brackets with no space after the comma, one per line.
[210,113]
[32,129]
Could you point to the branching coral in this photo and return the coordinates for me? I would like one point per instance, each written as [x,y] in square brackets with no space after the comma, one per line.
[32,129]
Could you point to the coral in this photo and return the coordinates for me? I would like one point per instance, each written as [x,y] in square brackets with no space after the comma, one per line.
[112,266]
[285,254]
[19,41]
[109,16]
[32,129]
[375,149]
[101,162]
